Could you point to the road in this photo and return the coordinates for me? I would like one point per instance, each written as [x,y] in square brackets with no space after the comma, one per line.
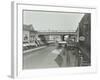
[49,58]
[42,58]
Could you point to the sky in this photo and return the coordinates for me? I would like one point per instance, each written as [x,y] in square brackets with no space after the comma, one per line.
[52,21]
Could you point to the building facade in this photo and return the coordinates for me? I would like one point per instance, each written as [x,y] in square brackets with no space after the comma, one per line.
[85,38]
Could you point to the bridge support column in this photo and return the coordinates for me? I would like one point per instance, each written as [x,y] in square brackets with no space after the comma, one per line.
[62,37]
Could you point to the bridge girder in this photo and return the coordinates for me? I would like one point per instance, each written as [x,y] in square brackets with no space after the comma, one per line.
[57,33]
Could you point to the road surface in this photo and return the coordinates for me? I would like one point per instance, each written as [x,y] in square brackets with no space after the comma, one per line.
[49,57]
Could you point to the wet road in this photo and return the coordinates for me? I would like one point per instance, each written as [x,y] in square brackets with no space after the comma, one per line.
[49,57]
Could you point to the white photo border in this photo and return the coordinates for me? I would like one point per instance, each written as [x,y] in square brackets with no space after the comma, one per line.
[17,22]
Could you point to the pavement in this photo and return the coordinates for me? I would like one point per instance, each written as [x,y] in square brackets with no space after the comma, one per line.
[34,49]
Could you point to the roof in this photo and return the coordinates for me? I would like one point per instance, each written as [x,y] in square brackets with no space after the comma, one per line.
[28,28]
